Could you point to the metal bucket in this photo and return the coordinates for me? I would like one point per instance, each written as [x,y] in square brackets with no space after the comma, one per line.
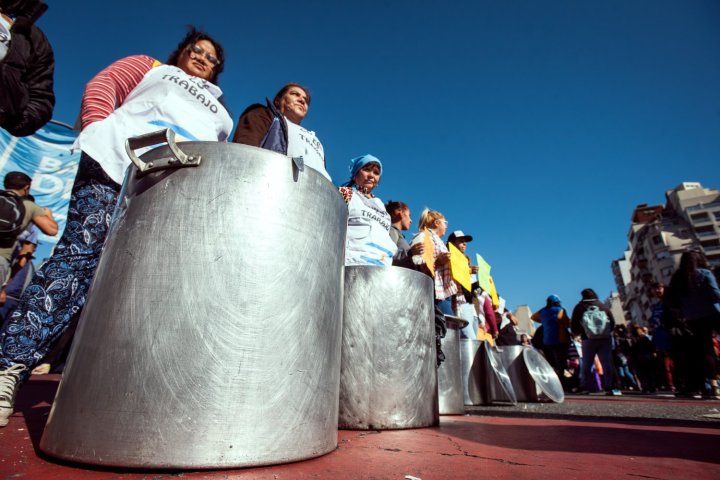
[496,385]
[472,371]
[522,382]
[450,377]
[388,377]
[211,335]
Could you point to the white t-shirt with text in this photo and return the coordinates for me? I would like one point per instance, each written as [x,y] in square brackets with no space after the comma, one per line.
[304,143]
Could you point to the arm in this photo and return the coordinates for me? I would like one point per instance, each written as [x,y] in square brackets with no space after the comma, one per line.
[46,223]
[346,193]
[490,321]
[575,326]
[109,88]
[611,317]
[253,125]
[713,287]
[38,79]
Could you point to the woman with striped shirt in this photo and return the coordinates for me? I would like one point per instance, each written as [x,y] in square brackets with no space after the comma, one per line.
[133,96]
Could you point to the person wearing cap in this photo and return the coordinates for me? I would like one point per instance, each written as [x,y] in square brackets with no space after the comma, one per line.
[276,126]
[368,238]
[460,240]
[401,221]
[555,322]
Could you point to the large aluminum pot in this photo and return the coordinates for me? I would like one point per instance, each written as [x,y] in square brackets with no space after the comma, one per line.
[472,371]
[211,336]
[450,375]
[388,377]
[496,385]
[522,382]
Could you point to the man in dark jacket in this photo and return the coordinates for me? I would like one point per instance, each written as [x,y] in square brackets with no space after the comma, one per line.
[26,71]
[594,322]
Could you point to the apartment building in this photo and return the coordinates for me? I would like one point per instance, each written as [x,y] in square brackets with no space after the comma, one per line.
[658,236]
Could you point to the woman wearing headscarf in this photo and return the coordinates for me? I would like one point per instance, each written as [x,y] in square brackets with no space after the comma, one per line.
[693,301]
[368,238]
[131,97]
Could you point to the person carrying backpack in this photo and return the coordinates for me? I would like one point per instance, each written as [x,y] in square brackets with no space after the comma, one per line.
[594,322]
[16,213]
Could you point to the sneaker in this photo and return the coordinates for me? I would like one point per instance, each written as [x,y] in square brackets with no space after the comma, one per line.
[614,393]
[8,387]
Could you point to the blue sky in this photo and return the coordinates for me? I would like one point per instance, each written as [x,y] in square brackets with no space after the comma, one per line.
[535,126]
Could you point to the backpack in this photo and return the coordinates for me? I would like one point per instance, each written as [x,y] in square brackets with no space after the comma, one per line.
[596,323]
[12,213]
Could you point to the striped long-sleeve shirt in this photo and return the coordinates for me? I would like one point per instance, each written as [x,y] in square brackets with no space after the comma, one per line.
[109,88]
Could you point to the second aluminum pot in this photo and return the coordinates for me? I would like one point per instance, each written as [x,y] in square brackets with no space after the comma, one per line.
[388,377]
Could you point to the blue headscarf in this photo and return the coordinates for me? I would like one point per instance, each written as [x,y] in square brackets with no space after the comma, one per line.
[359,162]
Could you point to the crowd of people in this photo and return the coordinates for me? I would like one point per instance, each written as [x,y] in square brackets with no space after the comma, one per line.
[678,351]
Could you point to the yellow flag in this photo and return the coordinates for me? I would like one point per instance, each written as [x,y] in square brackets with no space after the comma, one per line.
[493,293]
[460,267]
[429,252]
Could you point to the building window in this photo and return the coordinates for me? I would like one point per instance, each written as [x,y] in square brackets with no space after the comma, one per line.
[699,217]
[705,231]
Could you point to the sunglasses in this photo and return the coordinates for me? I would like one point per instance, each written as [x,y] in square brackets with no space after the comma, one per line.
[200,53]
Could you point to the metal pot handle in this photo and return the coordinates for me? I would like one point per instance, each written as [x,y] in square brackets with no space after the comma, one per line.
[299,163]
[178,159]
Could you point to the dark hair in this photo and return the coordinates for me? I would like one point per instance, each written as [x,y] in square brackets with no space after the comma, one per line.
[589,294]
[30,9]
[690,261]
[283,91]
[17,181]
[395,208]
[193,36]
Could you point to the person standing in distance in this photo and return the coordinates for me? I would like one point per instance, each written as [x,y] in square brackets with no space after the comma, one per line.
[14,197]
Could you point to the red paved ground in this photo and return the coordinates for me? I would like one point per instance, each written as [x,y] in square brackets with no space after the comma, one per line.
[462,447]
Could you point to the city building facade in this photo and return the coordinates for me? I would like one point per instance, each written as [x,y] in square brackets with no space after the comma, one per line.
[658,236]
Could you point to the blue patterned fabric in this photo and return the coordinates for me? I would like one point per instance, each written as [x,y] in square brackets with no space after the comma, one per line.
[57,291]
